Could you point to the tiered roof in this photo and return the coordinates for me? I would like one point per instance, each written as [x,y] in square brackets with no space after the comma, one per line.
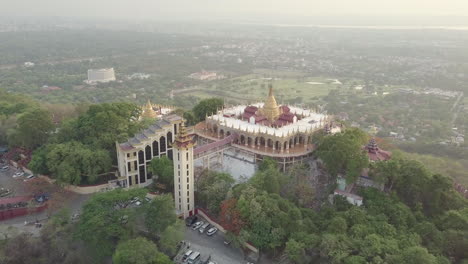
[144,135]
[183,139]
[375,153]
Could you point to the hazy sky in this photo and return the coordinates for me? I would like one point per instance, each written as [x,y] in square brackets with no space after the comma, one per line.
[144,9]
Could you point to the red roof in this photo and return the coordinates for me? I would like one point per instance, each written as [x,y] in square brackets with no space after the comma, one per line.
[251,109]
[285,109]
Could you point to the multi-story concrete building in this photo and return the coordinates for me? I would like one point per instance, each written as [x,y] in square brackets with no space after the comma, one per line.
[135,155]
[100,75]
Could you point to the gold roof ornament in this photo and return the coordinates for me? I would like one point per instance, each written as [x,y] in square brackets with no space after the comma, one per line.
[148,111]
[270,108]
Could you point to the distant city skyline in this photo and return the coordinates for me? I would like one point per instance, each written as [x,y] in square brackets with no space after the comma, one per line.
[231,9]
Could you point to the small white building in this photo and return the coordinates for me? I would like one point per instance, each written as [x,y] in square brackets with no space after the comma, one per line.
[100,76]
[351,198]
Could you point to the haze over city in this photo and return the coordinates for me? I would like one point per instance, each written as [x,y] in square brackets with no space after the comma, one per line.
[269,10]
[233,131]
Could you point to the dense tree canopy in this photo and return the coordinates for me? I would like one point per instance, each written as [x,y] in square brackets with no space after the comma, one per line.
[212,188]
[207,107]
[139,251]
[343,153]
[106,219]
[34,127]
[160,213]
[163,168]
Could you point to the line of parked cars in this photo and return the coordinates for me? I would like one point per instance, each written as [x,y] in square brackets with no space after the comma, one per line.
[201,226]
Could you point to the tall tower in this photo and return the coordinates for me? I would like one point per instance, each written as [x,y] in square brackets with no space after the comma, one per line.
[183,173]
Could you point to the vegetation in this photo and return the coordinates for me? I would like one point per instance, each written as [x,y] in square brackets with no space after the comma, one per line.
[343,153]
[139,251]
[164,168]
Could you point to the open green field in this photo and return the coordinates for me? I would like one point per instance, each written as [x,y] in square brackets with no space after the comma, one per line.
[465,100]
[254,87]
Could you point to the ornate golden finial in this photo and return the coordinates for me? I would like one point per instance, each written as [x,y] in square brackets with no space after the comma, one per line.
[148,111]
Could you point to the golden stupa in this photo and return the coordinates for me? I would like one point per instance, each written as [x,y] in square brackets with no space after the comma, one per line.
[270,109]
[148,111]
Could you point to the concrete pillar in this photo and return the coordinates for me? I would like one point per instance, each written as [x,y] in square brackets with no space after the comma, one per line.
[281,147]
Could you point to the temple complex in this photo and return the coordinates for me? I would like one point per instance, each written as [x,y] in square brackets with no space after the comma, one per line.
[267,129]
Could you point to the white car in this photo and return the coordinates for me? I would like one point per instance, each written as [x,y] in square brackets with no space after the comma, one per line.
[212,231]
[197,225]
[18,174]
[28,177]
[203,228]
[5,168]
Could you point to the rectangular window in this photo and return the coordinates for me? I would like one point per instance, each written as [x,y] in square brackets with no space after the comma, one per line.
[128,155]
[187,179]
[180,208]
[188,200]
[188,173]
[178,156]
[188,206]
[188,187]
[179,186]
[179,179]
[187,166]
[187,155]
[129,166]
[178,172]
[180,200]
[134,154]
[188,194]
[135,164]
[178,166]
[179,193]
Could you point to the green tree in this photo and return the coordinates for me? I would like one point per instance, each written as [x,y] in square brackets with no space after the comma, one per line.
[207,107]
[164,168]
[34,127]
[212,188]
[343,152]
[74,163]
[38,163]
[106,219]
[171,237]
[295,251]
[160,213]
[139,251]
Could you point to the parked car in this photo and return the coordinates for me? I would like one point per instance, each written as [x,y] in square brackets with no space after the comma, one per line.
[148,199]
[75,217]
[203,228]
[187,254]
[227,242]
[197,225]
[191,220]
[4,168]
[194,258]
[212,262]
[29,177]
[18,174]
[212,231]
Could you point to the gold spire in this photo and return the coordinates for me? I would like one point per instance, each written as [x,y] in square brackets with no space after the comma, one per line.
[148,111]
[270,109]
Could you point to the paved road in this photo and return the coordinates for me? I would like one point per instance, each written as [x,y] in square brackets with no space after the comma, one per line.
[213,246]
